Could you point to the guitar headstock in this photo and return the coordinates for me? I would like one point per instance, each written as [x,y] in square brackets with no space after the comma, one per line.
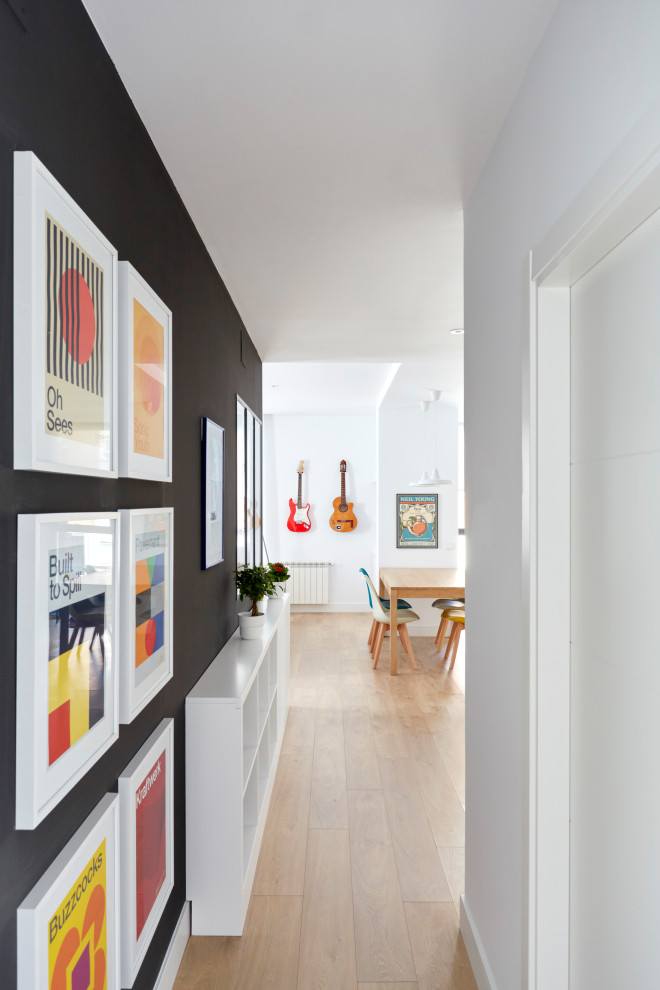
[300,467]
[342,467]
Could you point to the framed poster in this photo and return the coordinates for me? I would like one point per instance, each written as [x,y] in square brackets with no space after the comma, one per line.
[241,485]
[66,646]
[145,380]
[65,331]
[146,799]
[258,495]
[146,664]
[68,925]
[249,486]
[213,492]
[417,521]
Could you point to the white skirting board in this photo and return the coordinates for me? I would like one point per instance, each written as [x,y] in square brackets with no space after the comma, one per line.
[475,950]
[348,607]
[175,951]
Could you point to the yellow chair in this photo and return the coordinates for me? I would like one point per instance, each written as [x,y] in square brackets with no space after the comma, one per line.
[457,618]
[381,616]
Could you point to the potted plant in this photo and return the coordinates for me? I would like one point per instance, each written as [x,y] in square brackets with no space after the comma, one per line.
[254,583]
[280,575]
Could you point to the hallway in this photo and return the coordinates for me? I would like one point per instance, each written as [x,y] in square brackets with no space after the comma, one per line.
[362,861]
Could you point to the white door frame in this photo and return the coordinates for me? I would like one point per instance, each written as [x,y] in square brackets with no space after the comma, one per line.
[624,193]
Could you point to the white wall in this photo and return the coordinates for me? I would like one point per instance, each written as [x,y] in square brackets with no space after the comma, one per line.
[593,78]
[322,442]
[400,461]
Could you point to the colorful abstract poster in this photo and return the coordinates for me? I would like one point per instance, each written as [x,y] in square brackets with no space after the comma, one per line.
[74,338]
[77,931]
[146,590]
[150,603]
[67,928]
[417,521]
[76,654]
[149,375]
[150,841]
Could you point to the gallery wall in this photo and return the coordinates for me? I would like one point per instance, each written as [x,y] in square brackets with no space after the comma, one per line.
[322,441]
[594,78]
[61,98]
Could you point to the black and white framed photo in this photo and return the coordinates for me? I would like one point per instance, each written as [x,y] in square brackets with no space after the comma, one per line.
[146,797]
[146,661]
[66,654]
[65,331]
[68,925]
[213,492]
[145,380]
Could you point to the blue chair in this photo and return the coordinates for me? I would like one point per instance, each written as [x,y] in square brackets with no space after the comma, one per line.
[385,602]
[381,621]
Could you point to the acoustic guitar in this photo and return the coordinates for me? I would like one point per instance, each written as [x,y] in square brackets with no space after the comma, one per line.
[343,518]
[299,521]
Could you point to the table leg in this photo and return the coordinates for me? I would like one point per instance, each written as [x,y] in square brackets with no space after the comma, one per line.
[393,623]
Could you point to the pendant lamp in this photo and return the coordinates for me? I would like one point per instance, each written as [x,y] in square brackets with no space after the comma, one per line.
[429,480]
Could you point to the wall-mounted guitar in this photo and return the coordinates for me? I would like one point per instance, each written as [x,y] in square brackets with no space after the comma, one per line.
[298,521]
[343,518]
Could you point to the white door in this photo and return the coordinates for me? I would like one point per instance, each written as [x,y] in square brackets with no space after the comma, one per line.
[615,619]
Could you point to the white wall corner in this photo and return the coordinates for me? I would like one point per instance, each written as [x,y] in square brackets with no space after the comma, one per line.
[475,950]
[175,951]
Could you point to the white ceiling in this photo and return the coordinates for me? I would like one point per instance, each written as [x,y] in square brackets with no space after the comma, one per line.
[325,150]
[303,387]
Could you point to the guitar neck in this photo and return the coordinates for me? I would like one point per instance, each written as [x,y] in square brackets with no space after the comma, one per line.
[343,488]
[300,490]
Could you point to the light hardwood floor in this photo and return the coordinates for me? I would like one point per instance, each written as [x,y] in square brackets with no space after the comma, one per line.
[361,867]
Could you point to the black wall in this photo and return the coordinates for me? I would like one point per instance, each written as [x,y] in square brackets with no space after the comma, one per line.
[61,98]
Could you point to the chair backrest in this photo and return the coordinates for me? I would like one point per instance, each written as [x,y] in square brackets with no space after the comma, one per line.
[379,613]
[362,571]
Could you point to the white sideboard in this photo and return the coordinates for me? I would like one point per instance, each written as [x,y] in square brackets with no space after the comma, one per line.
[235,718]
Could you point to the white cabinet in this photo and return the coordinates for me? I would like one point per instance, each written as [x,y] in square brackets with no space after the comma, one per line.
[235,717]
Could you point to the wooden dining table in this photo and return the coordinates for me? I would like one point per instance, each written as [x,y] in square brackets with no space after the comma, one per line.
[417,582]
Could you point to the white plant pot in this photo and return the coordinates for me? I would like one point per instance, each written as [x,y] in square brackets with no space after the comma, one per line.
[279,591]
[251,626]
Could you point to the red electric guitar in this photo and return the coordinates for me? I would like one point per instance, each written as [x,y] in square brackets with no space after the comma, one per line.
[299,521]
[343,518]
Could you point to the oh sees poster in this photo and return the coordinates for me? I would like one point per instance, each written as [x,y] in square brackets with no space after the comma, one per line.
[417,521]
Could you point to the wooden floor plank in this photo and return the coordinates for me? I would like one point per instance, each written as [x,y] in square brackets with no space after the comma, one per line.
[362,771]
[453,863]
[420,871]
[328,807]
[442,804]
[271,944]
[209,963]
[440,957]
[381,933]
[281,865]
[299,732]
[327,941]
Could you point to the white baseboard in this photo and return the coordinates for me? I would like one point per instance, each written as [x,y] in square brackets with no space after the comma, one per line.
[332,607]
[475,950]
[175,951]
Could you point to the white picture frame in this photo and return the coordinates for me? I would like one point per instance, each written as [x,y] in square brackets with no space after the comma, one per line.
[67,899]
[66,664]
[65,331]
[146,799]
[213,493]
[145,380]
[147,573]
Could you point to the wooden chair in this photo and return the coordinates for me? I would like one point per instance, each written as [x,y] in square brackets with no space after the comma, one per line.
[442,604]
[455,616]
[381,621]
[385,602]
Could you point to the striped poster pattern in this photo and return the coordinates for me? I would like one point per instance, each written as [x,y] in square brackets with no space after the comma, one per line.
[74,312]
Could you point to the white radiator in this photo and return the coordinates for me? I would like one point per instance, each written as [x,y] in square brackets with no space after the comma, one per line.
[308,584]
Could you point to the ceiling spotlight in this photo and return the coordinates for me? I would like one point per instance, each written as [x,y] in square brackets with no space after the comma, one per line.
[457,330]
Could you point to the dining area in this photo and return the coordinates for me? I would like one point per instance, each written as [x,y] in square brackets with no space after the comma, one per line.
[391,611]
